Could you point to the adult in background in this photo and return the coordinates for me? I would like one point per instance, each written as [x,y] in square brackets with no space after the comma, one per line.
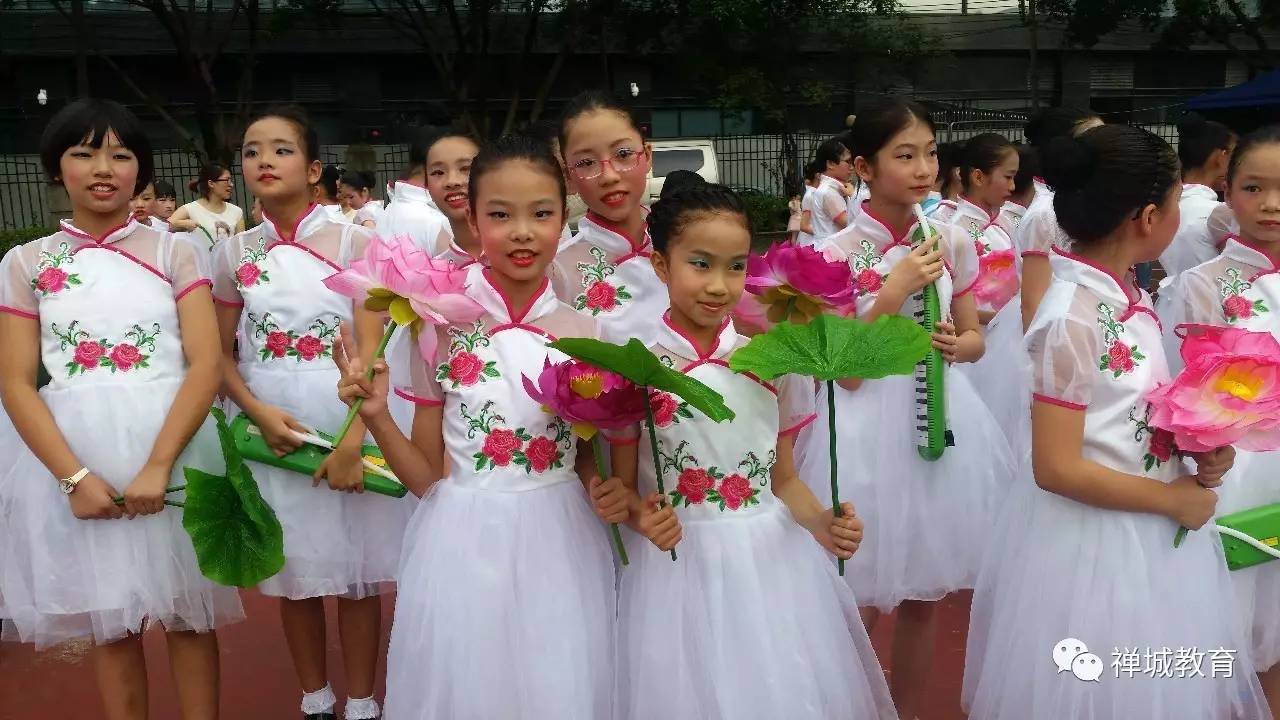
[210,214]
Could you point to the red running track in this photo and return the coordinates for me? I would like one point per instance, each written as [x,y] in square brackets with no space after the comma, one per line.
[258,682]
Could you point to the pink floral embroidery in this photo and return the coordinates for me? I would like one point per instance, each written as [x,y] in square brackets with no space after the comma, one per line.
[503,446]
[279,342]
[1160,443]
[309,347]
[599,295]
[500,446]
[693,484]
[51,278]
[696,485]
[250,273]
[1235,306]
[735,490]
[666,410]
[119,357]
[867,279]
[464,367]
[1119,358]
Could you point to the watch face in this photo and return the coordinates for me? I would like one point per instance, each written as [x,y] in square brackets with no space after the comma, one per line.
[67,486]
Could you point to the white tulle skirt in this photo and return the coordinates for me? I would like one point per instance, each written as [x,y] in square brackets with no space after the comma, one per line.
[505,608]
[1253,482]
[1002,378]
[750,623]
[335,543]
[62,578]
[927,523]
[1112,580]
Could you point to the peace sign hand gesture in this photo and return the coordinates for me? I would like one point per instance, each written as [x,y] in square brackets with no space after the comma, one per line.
[354,382]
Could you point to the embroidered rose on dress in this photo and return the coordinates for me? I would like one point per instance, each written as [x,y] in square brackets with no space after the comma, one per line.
[500,446]
[278,343]
[867,279]
[309,347]
[692,485]
[1160,446]
[541,453]
[1235,306]
[464,367]
[119,357]
[666,410]
[51,278]
[1120,358]
[250,273]
[599,295]
[735,490]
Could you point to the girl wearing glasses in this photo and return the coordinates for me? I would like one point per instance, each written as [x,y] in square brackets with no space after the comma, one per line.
[830,211]
[604,270]
[210,214]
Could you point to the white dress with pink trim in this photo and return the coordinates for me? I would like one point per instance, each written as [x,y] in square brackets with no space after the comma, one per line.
[1239,288]
[112,344]
[506,598]
[602,274]
[1002,377]
[752,620]
[928,523]
[334,543]
[1110,579]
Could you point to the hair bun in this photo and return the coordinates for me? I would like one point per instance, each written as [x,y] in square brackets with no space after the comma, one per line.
[1191,124]
[1068,164]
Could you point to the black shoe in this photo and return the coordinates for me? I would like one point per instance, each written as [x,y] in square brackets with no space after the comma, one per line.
[321,716]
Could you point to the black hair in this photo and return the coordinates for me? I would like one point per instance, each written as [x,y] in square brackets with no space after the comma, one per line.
[982,152]
[591,101]
[164,189]
[673,212]
[1028,169]
[679,180]
[455,133]
[828,153]
[1266,135]
[1199,138]
[359,179]
[811,170]
[949,161]
[329,180]
[209,172]
[517,146]
[878,124]
[297,117]
[88,121]
[1105,176]
[1055,122]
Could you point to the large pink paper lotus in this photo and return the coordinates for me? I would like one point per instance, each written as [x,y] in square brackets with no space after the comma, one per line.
[798,283]
[997,279]
[1228,393]
[586,397]
[416,289]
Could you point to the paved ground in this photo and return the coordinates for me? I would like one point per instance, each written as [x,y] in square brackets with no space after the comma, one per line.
[258,683]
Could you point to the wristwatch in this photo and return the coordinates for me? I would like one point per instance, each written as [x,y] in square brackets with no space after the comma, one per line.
[68,485]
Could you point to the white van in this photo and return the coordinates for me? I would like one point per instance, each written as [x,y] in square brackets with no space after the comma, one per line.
[670,155]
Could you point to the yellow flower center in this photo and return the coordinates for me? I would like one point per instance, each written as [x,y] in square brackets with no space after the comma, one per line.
[587,385]
[1240,383]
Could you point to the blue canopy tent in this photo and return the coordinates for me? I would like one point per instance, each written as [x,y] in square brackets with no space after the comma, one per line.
[1261,91]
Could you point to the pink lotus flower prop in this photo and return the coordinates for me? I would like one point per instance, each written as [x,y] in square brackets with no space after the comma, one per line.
[997,279]
[590,399]
[1228,393]
[416,290]
[798,283]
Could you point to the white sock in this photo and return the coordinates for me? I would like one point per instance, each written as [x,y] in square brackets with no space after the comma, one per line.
[320,701]
[362,709]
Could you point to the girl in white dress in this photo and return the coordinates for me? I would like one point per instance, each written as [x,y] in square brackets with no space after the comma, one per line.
[1038,233]
[829,210]
[1086,553]
[1024,190]
[752,621]
[604,271]
[1241,288]
[210,216]
[122,318]
[268,282]
[1204,148]
[928,522]
[506,601]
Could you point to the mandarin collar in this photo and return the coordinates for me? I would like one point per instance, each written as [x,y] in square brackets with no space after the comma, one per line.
[484,291]
[678,341]
[970,209]
[608,237]
[1118,292]
[1240,251]
[314,218]
[1198,191]
[113,235]
[408,192]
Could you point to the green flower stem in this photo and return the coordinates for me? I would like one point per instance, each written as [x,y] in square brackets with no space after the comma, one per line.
[170,503]
[597,446]
[355,406]
[1182,535]
[831,447]
[657,458]
[791,308]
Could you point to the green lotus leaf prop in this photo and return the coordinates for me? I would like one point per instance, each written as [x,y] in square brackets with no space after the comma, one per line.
[636,363]
[830,348]
[237,538]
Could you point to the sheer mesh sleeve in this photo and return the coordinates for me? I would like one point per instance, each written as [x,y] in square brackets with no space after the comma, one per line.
[423,388]
[962,258]
[186,266]
[796,398]
[1064,353]
[226,256]
[1192,298]
[1038,232]
[17,296]
[834,204]
[1221,223]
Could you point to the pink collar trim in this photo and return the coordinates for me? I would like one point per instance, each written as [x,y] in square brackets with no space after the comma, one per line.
[613,228]
[976,209]
[298,231]
[679,339]
[118,232]
[894,238]
[1236,248]
[515,317]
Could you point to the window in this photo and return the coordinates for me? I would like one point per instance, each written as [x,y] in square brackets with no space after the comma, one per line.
[667,161]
